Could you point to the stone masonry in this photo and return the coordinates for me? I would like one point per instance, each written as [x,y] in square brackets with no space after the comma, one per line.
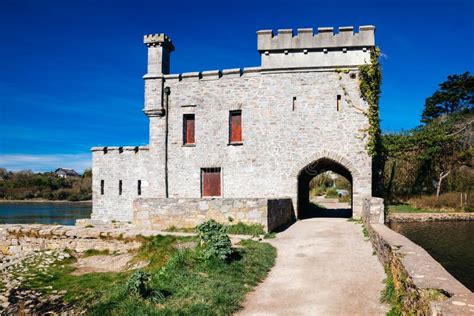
[291,120]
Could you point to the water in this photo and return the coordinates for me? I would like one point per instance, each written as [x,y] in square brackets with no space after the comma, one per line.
[450,243]
[43,213]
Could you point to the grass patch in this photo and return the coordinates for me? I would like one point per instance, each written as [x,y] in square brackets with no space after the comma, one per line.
[390,295]
[407,208]
[269,235]
[245,229]
[186,284]
[355,220]
[192,286]
[94,252]
[87,289]
[174,229]
[157,250]
[234,229]
[365,232]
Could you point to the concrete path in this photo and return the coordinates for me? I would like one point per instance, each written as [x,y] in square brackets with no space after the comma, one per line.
[324,267]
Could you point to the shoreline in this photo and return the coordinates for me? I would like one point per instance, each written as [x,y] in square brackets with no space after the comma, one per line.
[429,217]
[43,201]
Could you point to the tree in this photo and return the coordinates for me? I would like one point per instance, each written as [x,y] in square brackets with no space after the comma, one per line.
[87,173]
[454,95]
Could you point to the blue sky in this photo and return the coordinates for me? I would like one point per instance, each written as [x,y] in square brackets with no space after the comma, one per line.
[71,71]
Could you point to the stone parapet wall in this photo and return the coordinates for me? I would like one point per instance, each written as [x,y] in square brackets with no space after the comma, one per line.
[429,217]
[23,239]
[159,213]
[424,286]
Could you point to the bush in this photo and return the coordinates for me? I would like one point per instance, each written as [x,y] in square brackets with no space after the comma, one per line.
[214,240]
[332,193]
[138,285]
[450,200]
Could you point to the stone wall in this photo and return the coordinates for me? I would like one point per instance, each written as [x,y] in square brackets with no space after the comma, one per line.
[128,164]
[187,213]
[423,285]
[429,217]
[23,239]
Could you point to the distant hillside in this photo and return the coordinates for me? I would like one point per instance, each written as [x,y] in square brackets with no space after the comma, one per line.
[26,185]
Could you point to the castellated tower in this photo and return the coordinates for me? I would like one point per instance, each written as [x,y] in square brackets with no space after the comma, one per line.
[243,143]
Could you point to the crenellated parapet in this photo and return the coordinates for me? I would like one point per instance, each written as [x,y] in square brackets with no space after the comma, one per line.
[161,39]
[323,49]
[324,38]
[118,149]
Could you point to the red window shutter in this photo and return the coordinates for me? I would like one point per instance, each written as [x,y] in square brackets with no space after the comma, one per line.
[236,127]
[211,182]
[189,129]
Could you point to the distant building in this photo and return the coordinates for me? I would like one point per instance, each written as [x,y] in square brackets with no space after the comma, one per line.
[66,173]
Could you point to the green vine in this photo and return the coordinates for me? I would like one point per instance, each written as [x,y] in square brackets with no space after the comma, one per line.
[370,78]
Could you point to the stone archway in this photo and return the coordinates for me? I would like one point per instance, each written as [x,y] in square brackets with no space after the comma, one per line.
[324,161]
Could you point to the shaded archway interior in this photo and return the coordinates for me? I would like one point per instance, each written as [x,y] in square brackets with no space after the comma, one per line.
[305,208]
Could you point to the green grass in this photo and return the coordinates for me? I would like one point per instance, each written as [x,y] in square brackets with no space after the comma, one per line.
[390,295]
[245,229]
[189,284]
[234,229]
[84,289]
[355,220]
[174,229]
[192,286]
[94,252]
[406,208]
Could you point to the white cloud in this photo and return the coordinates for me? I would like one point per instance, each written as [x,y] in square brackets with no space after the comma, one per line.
[45,162]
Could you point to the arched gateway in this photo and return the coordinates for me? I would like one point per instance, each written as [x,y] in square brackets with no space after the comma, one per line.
[323,161]
[242,144]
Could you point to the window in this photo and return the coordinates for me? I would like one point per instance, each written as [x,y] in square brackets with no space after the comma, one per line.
[338,102]
[235,127]
[188,129]
[120,187]
[139,187]
[211,182]
[101,187]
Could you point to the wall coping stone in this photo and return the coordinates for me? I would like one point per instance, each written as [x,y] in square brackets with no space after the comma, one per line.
[429,217]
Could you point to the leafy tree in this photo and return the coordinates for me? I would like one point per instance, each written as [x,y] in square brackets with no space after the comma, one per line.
[454,95]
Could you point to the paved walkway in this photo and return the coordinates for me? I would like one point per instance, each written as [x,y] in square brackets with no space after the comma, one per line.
[324,267]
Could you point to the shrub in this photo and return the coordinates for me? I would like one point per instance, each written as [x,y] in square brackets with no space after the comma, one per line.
[138,285]
[214,240]
[332,193]
[450,200]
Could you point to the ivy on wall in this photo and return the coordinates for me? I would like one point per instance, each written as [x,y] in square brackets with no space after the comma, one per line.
[370,79]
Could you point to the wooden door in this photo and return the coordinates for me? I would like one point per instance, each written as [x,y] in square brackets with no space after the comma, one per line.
[211,182]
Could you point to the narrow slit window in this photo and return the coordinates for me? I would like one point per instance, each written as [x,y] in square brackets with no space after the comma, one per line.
[211,182]
[139,187]
[102,187]
[188,129]
[235,127]
[338,102]
[120,187]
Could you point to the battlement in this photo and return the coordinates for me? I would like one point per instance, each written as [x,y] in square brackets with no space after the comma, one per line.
[161,39]
[118,149]
[287,50]
[325,38]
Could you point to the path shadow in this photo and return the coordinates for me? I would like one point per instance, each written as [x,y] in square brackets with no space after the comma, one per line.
[312,210]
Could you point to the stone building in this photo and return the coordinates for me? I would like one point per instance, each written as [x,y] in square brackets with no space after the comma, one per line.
[243,144]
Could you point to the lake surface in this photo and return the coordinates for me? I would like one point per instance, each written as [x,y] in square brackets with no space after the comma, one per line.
[43,213]
[450,243]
